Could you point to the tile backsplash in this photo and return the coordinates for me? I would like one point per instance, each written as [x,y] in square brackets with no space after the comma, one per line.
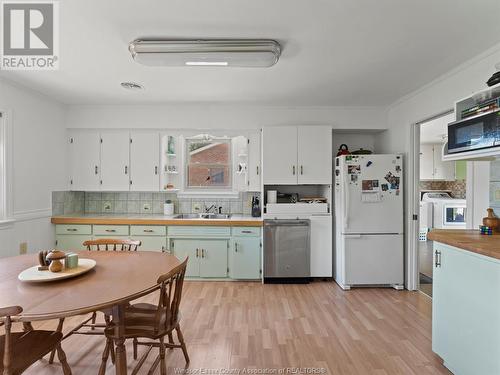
[68,202]
[457,187]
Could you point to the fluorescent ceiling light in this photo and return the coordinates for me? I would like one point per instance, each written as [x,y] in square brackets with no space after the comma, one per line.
[207,63]
[219,52]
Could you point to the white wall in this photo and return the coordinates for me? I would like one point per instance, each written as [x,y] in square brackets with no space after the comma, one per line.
[39,139]
[432,99]
[185,116]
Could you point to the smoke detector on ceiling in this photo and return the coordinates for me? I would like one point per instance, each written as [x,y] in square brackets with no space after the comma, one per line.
[131,86]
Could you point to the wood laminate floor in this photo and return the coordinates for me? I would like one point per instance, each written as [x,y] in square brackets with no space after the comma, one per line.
[231,326]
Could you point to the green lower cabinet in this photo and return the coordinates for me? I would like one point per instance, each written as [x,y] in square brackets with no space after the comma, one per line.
[151,243]
[71,242]
[183,248]
[244,258]
[207,257]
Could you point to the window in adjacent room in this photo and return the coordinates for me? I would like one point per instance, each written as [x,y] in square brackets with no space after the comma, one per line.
[3,168]
[208,163]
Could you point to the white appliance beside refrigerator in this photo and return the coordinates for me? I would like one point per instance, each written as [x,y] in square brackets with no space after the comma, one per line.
[369,220]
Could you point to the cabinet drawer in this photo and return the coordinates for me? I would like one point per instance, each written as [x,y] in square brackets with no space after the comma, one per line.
[197,231]
[246,231]
[112,230]
[73,229]
[148,230]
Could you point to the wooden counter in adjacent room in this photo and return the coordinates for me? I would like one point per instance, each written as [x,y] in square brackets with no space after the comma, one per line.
[470,240]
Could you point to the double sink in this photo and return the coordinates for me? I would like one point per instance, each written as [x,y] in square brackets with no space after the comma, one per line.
[204,216]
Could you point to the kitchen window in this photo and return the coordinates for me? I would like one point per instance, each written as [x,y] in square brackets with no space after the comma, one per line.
[208,163]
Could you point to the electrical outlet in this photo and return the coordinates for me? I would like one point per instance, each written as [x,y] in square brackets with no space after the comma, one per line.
[196,207]
[497,195]
[106,206]
[23,248]
[146,207]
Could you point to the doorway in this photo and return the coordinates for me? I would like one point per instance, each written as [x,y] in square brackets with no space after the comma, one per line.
[441,193]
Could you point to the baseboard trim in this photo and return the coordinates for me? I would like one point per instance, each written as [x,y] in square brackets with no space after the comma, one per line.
[32,214]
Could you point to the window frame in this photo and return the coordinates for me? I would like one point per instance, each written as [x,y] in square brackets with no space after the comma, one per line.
[215,188]
[6,215]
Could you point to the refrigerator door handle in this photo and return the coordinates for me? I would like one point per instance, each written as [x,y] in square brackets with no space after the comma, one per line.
[346,203]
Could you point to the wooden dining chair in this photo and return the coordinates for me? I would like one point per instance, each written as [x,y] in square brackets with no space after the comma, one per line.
[86,328]
[154,322]
[22,349]
[113,244]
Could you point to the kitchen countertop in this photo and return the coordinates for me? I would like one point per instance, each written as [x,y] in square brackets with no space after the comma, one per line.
[110,219]
[470,240]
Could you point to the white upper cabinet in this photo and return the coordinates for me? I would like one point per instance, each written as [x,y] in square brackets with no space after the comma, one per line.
[85,154]
[254,169]
[426,162]
[144,161]
[115,160]
[314,156]
[297,155]
[279,145]
[432,166]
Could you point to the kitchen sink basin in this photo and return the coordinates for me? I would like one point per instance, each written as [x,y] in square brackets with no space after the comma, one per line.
[187,216]
[202,216]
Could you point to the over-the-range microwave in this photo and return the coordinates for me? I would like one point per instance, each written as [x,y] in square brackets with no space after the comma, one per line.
[474,133]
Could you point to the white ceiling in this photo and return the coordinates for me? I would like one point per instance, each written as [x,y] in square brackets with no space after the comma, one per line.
[436,131]
[335,52]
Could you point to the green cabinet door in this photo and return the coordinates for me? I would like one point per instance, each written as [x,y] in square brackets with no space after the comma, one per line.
[244,258]
[151,243]
[71,242]
[183,248]
[213,261]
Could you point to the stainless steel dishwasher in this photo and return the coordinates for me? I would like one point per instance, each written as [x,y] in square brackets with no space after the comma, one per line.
[287,250]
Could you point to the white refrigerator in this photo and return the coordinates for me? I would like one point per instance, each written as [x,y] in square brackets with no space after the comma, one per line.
[369,220]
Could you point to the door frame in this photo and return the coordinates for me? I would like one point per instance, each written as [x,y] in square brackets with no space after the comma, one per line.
[412,279]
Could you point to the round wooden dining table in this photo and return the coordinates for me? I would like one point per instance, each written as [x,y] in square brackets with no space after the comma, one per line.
[118,277]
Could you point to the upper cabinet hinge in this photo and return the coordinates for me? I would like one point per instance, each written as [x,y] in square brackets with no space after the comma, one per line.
[415,217]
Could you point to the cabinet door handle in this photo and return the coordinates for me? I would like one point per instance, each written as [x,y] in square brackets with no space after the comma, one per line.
[163,249]
[126,169]
[156,169]
[71,229]
[301,170]
[96,169]
[236,247]
[148,231]
[246,231]
[197,250]
[203,253]
[257,170]
[293,170]
[111,230]
[437,258]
